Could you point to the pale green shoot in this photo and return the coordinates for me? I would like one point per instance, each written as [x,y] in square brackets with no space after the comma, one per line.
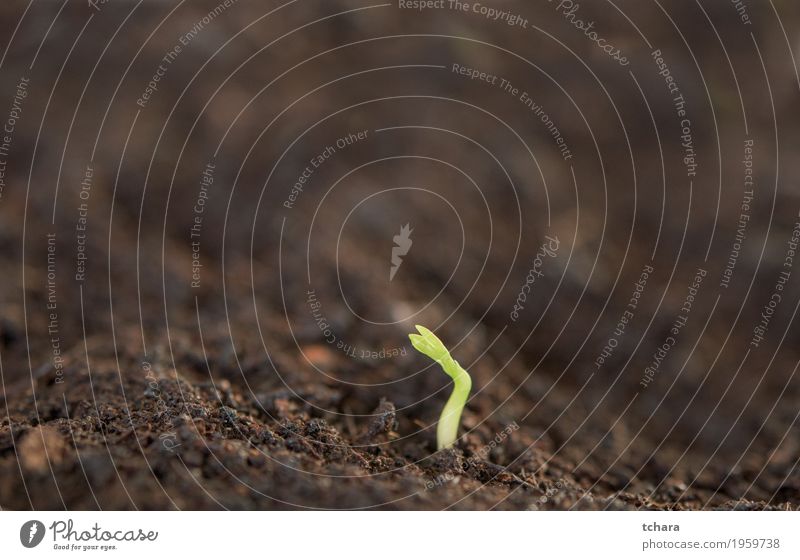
[429,344]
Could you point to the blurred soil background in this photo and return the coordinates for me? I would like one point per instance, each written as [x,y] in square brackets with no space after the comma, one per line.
[182,329]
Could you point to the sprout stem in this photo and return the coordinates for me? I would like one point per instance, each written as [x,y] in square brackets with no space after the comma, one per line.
[429,344]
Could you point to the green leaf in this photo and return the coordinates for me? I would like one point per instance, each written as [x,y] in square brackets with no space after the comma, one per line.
[429,344]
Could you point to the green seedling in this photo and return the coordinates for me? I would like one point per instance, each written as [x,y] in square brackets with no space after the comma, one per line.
[429,344]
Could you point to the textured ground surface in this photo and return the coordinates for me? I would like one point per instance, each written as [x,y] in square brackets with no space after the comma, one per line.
[268,365]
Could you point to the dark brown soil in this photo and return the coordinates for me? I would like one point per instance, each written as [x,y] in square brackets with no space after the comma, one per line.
[116,442]
[150,385]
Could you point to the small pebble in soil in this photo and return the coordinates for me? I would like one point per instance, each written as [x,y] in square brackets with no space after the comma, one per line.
[40,448]
[228,415]
[383,421]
